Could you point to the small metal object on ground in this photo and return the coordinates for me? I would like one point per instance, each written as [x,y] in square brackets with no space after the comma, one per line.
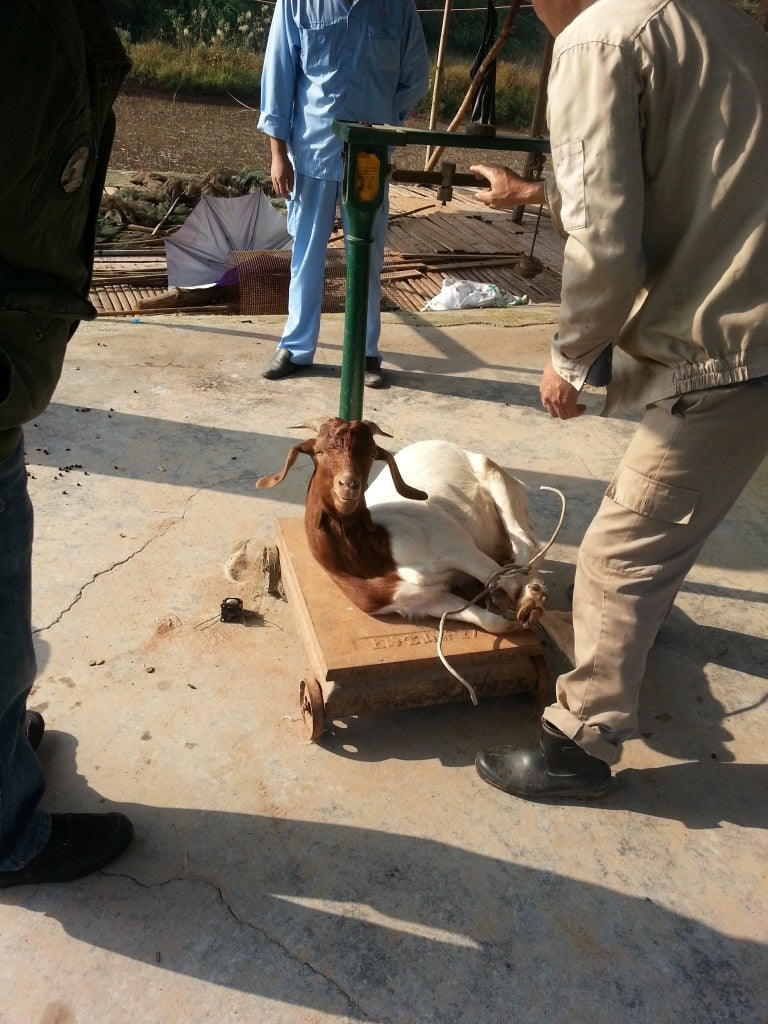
[232,609]
[362,663]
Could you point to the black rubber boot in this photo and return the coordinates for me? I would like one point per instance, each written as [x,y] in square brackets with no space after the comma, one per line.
[556,766]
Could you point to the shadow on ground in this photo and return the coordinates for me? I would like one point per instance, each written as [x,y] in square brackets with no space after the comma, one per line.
[283,892]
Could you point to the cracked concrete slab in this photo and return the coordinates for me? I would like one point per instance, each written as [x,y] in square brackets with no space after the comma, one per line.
[370,876]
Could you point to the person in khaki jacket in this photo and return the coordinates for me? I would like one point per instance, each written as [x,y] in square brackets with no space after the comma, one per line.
[658,118]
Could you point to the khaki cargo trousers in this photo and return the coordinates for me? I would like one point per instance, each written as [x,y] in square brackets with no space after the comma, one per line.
[686,465]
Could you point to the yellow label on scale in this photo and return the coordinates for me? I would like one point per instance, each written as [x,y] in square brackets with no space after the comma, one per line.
[367,166]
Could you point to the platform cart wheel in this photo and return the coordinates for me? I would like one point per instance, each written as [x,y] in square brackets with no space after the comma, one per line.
[270,566]
[312,709]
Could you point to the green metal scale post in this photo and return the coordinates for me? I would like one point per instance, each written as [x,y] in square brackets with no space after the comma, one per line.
[366,170]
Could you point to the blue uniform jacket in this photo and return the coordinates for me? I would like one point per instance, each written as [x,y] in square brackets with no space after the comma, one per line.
[331,60]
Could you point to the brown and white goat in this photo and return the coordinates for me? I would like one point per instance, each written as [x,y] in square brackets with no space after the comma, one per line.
[405,548]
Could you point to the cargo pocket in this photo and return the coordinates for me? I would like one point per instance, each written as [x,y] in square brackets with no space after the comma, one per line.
[322,47]
[652,498]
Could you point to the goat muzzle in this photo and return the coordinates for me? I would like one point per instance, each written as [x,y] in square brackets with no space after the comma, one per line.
[347,497]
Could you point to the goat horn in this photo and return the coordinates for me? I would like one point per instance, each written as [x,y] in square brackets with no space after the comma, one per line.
[400,485]
[375,429]
[303,448]
[313,425]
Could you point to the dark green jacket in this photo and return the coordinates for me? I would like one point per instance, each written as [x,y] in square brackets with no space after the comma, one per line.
[62,67]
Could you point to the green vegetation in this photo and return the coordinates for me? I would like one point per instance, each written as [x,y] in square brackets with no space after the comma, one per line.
[216,69]
[205,68]
[190,21]
[750,6]
[466,27]
[198,20]
[210,48]
[516,85]
[149,20]
[217,47]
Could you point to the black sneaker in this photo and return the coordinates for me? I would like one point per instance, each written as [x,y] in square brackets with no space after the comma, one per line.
[79,844]
[374,375]
[34,727]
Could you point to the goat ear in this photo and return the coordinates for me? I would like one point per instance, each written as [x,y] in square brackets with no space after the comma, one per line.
[400,485]
[303,448]
[374,429]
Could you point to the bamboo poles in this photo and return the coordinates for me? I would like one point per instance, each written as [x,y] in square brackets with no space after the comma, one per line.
[439,72]
[490,57]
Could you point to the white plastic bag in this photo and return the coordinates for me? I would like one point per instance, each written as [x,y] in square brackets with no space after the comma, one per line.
[471,295]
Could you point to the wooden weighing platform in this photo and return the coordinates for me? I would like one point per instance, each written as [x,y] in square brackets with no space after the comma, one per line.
[362,664]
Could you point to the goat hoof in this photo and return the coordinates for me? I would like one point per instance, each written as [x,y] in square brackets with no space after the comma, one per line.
[533,616]
[529,612]
[531,605]
[270,570]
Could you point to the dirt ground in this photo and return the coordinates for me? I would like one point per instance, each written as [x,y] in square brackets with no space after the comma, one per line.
[165,132]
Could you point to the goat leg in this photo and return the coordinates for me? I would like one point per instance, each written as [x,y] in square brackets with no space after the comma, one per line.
[530,607]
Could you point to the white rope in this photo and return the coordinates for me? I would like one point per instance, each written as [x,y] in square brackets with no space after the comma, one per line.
[503,573]
[441,656]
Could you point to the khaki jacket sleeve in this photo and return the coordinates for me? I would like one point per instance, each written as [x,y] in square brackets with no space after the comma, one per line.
[596,200]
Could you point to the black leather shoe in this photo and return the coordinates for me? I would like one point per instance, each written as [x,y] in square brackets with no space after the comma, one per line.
[34,727]
[555,767]
[280,365]
[79,844]
[374,375]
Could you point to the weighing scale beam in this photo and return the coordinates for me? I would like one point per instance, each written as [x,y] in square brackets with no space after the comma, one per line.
[366,168]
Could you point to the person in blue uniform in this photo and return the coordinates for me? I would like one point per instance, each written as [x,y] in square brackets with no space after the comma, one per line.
[332,60]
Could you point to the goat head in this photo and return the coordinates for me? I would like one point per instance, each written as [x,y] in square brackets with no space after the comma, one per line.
[345,451]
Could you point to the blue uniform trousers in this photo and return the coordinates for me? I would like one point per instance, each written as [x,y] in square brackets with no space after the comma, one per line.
[311,215]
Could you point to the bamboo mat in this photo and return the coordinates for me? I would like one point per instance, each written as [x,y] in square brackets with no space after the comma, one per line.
[426,242]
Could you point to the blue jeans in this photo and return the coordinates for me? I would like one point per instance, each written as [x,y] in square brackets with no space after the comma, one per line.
[24,828]
[311,216]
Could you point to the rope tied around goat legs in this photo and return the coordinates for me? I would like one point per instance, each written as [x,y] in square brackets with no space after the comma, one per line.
[504,572]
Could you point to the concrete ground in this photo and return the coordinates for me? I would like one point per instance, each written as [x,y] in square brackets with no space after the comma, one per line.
[370,876]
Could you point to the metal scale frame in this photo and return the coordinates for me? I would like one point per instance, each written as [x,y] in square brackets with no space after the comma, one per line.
[361,663]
